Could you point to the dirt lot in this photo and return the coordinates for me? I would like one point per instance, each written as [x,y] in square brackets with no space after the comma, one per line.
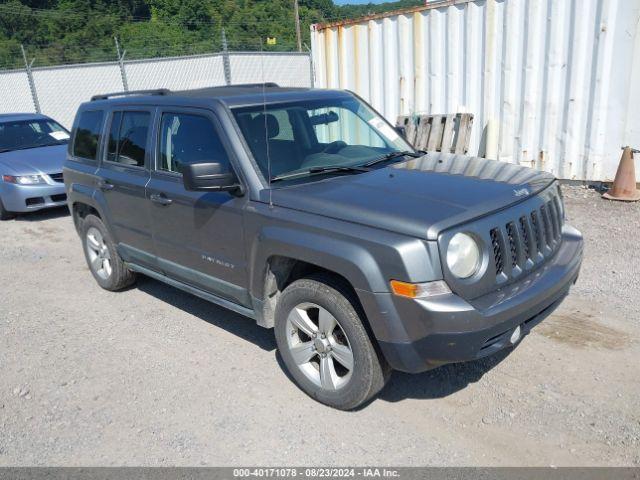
[153,376]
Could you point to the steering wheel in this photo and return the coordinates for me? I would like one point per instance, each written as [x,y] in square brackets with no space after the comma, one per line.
[334,147]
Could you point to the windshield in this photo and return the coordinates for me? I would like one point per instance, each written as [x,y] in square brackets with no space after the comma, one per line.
[21,134]
[308,135]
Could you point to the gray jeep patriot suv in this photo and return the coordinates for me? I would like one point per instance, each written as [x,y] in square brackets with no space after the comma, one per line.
[306,211]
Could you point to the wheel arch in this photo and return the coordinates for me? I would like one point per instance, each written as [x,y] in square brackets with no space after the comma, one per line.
[82,202]
[278,261]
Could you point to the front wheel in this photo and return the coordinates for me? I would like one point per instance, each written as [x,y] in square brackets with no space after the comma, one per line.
[324,344]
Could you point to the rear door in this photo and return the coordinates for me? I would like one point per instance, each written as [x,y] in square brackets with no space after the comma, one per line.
[198,235]
[124,174]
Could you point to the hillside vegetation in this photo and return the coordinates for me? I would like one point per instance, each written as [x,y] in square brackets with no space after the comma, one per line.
[70,31]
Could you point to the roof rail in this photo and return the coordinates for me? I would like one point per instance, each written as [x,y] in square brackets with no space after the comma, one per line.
[256,85]
[157,91]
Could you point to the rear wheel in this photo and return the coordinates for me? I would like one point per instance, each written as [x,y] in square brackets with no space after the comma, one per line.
[4,214]
[325,346]
[102,257]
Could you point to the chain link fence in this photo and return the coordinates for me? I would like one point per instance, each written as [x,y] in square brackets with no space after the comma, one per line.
[58,91]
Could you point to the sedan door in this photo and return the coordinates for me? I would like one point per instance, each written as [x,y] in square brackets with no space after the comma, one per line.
[198,236]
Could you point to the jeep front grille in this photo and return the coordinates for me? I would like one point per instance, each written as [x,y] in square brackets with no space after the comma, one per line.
[527,240]
[524,228]
[513,243]
[497,249]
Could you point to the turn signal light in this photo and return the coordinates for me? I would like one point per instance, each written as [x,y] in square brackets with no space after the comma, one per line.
[419,290]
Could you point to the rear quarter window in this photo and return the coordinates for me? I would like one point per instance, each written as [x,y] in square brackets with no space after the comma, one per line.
[87,136]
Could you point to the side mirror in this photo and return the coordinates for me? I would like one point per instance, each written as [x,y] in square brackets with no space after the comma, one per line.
[210,177]
[402,131]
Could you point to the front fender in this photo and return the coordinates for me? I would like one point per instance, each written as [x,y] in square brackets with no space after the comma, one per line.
[345,258]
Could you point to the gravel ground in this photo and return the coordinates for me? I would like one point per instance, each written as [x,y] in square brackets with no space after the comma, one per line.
[153,376]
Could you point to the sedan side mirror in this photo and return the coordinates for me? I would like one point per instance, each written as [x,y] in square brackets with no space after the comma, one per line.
[209,177]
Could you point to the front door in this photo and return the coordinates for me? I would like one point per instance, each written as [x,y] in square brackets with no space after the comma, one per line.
[123,177]
[198,236]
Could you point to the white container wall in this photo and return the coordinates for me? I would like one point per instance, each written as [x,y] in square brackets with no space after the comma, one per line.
[553,84]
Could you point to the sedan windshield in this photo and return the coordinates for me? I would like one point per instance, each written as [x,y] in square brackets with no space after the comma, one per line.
[21,134]
[330,137]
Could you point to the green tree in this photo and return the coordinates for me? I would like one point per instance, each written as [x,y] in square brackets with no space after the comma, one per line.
[64,31]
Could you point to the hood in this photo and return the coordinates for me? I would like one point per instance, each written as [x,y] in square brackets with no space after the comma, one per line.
[420,197]
[33,160]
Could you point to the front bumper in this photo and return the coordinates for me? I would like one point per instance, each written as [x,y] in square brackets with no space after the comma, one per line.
[28,198]
[416,335]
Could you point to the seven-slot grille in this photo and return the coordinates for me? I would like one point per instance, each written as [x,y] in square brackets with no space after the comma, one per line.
[57,177]
[527,239]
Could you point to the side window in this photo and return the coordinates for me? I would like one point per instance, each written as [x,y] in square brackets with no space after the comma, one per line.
[186,139]
[87,136]
[128,138]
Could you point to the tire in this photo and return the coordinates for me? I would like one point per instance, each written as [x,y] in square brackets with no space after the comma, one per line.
[102,257]
[4,214]
[320,365]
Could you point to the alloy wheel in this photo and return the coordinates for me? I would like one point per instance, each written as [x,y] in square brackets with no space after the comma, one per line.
[99,257]
[319,346]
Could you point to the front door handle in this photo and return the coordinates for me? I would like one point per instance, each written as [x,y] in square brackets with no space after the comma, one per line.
[104,185]
[160,198]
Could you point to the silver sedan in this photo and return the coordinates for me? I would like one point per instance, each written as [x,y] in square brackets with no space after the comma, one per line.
[32,151]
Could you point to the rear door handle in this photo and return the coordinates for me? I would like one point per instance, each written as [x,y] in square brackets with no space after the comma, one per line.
[160,198]
[104,185]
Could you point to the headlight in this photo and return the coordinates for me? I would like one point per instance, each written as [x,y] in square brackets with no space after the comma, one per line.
[463,255]
[25,179]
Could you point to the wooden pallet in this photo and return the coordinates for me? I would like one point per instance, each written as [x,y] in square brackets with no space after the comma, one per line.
[440,133]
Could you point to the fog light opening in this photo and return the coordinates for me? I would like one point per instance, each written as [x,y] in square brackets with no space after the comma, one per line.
[515,336]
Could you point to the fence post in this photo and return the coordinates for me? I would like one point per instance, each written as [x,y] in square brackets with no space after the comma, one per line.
[225,59]
[32,85]
[311,71]
[123,72]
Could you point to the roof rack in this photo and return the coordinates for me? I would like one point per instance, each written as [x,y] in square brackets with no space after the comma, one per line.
[157,91]
[256,85]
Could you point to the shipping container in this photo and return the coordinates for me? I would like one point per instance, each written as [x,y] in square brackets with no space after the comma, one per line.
[552,84]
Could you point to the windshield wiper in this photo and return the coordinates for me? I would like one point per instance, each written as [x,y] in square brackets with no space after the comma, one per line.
[392,155]
[325,169]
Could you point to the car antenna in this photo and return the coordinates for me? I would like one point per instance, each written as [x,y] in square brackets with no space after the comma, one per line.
[266,131]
